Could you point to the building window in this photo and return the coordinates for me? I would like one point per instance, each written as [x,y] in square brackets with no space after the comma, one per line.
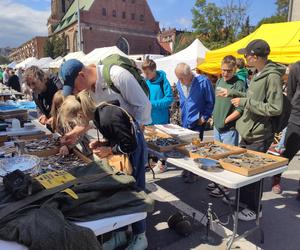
[114,13]
[68,43]
[104,12]
[132,16]
[142,18]
[123,45]
[124,15]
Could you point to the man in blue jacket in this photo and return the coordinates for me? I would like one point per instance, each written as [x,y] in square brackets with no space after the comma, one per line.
[161,97]
[197,99]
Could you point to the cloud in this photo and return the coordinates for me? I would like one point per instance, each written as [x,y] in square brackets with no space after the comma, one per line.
[20,23]
[184,23]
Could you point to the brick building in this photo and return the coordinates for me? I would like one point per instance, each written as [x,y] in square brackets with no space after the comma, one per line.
[31,48]
[167,38]
[128,24]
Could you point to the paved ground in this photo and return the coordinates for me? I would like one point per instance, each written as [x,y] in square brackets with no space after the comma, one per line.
[281,213]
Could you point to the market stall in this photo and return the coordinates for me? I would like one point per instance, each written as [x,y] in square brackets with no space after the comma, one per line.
[225,165]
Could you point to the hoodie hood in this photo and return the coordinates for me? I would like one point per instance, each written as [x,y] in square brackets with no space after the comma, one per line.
[271,68]
[160,76]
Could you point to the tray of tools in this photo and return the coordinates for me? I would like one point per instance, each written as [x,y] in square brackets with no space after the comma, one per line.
[57,162]
[42,148]
[212,149]
[252,163]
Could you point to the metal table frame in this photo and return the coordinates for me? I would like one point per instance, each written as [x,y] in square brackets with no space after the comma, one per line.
[233,181]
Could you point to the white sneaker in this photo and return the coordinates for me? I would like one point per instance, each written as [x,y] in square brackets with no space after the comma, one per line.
[160,168]
[139,242]
[117,240]
[248,215]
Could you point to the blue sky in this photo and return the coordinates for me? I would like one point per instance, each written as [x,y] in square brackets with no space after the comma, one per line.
[21,20]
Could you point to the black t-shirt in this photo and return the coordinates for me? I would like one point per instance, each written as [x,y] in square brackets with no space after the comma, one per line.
[44,100]
[14,83]
[116,127]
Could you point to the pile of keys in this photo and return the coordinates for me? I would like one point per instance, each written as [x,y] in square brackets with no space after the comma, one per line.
[248,160]
[56,162]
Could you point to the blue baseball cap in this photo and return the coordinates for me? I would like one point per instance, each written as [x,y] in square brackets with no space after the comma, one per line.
[68,72]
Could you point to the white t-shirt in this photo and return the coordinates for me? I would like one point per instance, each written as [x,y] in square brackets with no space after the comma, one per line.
[132,97]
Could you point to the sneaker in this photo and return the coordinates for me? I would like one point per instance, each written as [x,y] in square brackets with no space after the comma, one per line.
[276,189]
[248,215]
[117,240]
[211,186]
[231,200]
[218,194]
[191,178]
[160,168]
[184,173]
[276,151]
[139,242]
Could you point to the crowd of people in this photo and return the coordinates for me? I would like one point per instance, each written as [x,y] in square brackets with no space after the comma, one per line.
[242,104]
[11,78]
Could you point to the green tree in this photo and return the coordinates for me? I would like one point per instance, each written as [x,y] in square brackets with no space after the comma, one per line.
[4,60]
[56,46]
[207,20]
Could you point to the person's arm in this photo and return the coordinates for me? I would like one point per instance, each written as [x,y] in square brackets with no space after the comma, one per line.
[209,100]
[232,117]
[274,99]
[132,92]
[72,137]
[167,100]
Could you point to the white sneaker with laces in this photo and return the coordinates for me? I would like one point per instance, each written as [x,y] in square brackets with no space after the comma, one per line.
[160,168]
[248,215]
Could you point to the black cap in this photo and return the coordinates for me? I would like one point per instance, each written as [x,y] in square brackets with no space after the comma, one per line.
[256,47]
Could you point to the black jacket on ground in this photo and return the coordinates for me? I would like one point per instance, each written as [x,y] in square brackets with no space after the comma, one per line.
[44,100]
[116,127]
[46,224]
[14,83]
[293,93]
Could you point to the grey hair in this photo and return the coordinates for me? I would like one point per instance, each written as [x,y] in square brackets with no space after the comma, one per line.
[183,68]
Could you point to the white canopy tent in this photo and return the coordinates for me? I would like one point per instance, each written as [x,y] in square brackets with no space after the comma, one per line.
[27,63]
[12,65]
[43,63]
[79,55]
[100,53]
[190,55]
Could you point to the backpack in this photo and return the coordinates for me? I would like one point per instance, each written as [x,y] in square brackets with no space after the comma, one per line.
[280,122]
[125,63]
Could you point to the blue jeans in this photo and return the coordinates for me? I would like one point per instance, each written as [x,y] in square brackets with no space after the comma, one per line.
[139,159]
[230,137]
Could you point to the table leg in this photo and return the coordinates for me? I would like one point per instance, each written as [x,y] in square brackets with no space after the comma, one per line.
[235,220]
[257,221]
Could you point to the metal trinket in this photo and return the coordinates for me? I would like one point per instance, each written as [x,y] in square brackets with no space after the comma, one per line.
[248,160]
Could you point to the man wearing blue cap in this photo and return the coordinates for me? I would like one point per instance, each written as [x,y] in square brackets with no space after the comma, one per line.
[77,77]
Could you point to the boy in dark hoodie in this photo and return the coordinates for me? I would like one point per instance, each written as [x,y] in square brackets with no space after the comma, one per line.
[263,100]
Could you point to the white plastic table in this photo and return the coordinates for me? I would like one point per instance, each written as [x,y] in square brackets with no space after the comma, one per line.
[233,181]
[98,226]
